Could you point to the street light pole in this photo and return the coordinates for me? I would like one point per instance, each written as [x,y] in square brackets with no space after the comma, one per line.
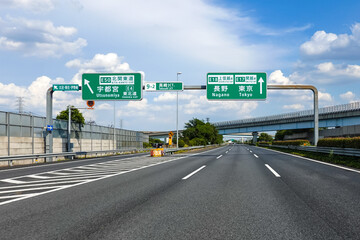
[177,113]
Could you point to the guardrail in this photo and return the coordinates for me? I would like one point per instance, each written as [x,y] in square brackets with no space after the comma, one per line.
[172,150]
[329,150]
[10,159]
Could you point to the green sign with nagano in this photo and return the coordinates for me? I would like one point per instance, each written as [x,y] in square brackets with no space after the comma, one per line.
[164,86]
[112,86]
[236,86]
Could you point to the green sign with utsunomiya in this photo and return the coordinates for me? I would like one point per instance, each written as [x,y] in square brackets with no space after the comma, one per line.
[164,86]
[65,87]
[236,86]
[112,86]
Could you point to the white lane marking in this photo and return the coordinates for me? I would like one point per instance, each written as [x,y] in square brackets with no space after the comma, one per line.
[97,179]
[312,160]
[13,181]
[189,175]
[226,151]
[16,196]
[219,157]
[272,170]
[40,184]
[37,176]
[250,151]
[28,189]
[256,156]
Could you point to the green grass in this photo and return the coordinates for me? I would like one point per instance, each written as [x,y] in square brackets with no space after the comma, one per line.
[348,161]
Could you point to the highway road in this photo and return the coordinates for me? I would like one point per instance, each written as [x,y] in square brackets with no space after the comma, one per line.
[232,192]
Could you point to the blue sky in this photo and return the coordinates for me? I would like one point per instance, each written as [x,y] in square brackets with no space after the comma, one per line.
[43,42]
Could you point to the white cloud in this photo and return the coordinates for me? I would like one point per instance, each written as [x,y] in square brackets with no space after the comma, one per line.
[325,97]
[331,69]
[110,62]
[277,77]
[297,107]
[168,97]
[35,95]
[39,38]
[348,96]
[7,44]
[326,73]
[31,5]
[330,45]
[104,106]
[202,32]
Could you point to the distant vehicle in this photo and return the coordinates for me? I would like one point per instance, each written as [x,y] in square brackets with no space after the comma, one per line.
[157,145]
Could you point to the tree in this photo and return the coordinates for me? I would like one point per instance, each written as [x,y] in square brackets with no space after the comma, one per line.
[155,140]
[198,132]
[264,137]
[76,115]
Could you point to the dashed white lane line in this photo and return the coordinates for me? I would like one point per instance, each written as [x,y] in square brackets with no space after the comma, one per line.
[219,157]
[189,175]
[250,151]
[226,152]
[256,156]
[272,170]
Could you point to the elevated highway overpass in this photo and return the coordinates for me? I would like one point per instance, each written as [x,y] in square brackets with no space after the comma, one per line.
[332,116]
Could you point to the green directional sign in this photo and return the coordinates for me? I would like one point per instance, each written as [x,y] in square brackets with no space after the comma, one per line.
[236,86]
[164,86]
[65,87]
[112,86]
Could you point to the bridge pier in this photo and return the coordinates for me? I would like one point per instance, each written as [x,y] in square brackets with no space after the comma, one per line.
[255,136]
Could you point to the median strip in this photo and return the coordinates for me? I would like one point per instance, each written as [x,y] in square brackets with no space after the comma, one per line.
[188,176]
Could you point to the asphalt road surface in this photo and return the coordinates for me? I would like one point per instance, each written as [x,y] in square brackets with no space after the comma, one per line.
[232,192]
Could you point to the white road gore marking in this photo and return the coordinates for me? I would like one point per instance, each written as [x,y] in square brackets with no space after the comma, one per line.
[13,181]
[38,176]
[272,170]
[197,170]
[12,189]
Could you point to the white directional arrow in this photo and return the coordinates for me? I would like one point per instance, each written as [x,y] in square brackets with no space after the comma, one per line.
[260,81]
[87,84]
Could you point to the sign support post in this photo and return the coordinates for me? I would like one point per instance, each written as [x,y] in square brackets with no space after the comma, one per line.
[49,121]
[69,131]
